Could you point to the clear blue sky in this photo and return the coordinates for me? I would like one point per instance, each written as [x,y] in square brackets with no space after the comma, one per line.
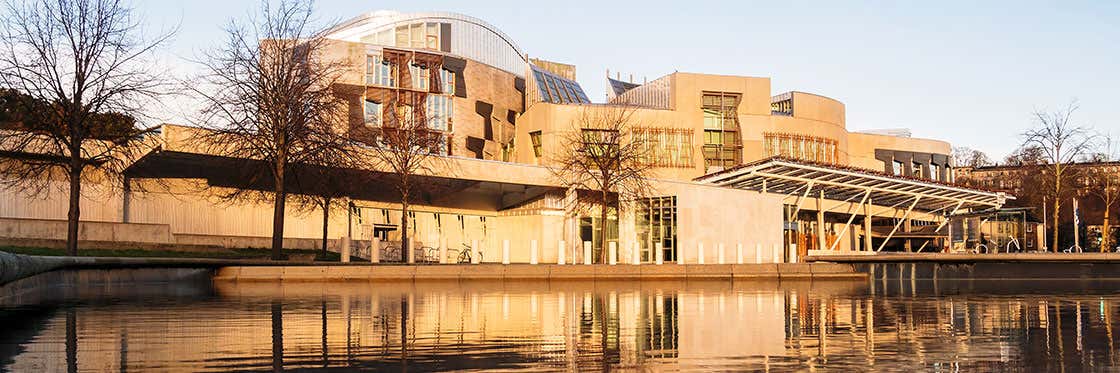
[967,72]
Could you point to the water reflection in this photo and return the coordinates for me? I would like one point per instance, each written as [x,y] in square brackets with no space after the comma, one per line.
[570,326]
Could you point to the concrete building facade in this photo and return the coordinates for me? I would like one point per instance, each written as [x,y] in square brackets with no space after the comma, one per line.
[503,114]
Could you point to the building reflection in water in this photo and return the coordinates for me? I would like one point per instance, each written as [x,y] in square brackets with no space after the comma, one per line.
[574,326]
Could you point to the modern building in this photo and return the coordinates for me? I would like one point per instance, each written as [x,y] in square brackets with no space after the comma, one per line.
[741,174]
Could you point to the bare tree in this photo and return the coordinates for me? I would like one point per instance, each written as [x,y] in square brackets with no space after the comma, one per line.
[1026,156]
[82,70]
[609,161]
[407,146]
[968,157]
[271,98]
[1103,182]
[1061,143]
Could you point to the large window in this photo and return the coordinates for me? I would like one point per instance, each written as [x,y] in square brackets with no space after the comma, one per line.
[379,72]
[600,143]
[418,36]
[803,147]
[666,147]
[373,113]
[722,143]
[898,168]
[657,228]
[447,79]
[439,111]
[421,77]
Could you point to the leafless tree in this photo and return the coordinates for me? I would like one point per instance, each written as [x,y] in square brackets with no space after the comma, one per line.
[1026,156]
[271,98]
[1103,182]
[968,157]
[1061,143]
[406,146]
[609,162]
[82,70]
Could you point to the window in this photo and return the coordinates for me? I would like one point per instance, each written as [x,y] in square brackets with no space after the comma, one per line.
[898,168]
[803,147]
[439,110]
[666,147]
[656,226]
[417,36]
[447,79]
[935,172]
[431,36]
[373,113]
[600,143]
[917,170]
[421,77]
[379,72]
[722,145]
[535,137]
[416,33]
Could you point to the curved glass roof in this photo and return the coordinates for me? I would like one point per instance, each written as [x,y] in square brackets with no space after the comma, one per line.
[557,90]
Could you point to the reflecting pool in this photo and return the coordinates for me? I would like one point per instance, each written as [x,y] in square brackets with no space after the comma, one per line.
[568,326]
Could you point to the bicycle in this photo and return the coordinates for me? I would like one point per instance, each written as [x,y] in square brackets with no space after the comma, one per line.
[465,255]
[1073,249]
[391,254]
[1016,243]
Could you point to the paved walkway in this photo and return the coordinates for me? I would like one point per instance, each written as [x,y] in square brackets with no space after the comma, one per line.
[968,258]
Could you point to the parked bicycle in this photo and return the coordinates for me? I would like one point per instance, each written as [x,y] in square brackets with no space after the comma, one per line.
[466,255]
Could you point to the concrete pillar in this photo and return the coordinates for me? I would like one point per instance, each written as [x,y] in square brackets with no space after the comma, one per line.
[739,253]
[475,258]
[867,226]
[659,254]
[635,253]
[410,253]
[443,250]
[758,253]
[906,228]
[345,249]
[561,250]
[533,252]
[820,224]
[587,252]
[699,253]
[720,251]
[505,251]
[375,250]
[612,252]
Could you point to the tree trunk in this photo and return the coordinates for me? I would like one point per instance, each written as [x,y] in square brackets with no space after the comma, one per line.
[1054,214]
[603,234]
[1106,234]
[404,228]
[73,215]
[326,216]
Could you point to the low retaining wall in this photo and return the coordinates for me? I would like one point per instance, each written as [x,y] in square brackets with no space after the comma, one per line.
[538,272]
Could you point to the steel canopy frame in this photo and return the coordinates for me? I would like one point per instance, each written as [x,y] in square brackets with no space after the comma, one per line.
[783,176]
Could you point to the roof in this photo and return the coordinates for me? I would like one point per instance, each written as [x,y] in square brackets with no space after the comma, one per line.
[619,87]
[786,176]
[555,89]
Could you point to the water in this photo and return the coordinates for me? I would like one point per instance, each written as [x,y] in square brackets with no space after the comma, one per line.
[573,326]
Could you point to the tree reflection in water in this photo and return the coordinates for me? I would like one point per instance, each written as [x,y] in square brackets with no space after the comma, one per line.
[576,326]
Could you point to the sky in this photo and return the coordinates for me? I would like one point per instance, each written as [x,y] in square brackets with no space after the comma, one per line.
[971,73]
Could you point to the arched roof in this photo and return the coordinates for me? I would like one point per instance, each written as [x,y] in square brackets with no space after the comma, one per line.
[471,37]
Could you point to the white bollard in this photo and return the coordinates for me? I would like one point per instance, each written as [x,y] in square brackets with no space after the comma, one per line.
[777,250]
[587,252]
[739,253]
[635,253]
[758,253]
[345,250]
[699,253]
[560,251]
[680,256]
[659,255]
[612,252]
[475,258]
[505,251]
[533,252]
[375,250]
[720,251]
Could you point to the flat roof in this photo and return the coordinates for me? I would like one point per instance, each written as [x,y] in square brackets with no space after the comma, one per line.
[795,177]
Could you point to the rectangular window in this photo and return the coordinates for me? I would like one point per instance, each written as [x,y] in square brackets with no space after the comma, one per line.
[447,79]
[656,225]
[535,137]
[917,170]
[722,144]
[421,77]
[898,166]
[666,147]
[373,113]
[402,36]
[600,143]
[803,147]
[432,36]
[379,72]
[439,111]
[935,172]
[416,35]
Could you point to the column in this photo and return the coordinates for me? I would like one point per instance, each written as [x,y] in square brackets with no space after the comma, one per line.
[867,226]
